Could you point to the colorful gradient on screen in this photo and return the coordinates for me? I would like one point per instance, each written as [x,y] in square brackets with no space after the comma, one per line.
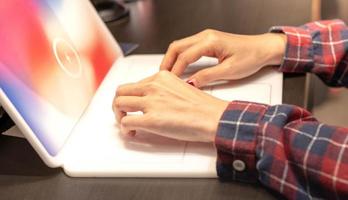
[53,56]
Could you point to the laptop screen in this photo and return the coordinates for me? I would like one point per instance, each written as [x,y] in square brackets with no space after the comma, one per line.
[53,56]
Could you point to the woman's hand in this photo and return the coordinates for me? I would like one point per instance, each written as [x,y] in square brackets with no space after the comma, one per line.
[171,108]
[239,55]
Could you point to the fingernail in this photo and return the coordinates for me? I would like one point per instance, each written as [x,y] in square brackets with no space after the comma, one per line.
[132,133]
[192,82]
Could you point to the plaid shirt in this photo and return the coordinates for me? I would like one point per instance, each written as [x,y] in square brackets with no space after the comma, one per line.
[284,147]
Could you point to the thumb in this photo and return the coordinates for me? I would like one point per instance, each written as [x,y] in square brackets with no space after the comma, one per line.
[206,76]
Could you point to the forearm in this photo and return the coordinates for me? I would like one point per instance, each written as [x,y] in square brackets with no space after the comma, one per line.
[319,47]
[284,148]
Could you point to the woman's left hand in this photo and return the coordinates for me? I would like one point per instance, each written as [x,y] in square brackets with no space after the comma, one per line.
[171,108]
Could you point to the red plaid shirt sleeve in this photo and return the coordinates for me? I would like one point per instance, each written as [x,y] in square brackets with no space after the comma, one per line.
[283,146]
[319,47]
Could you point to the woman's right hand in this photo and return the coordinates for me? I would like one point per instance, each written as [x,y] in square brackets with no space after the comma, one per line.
[239,55]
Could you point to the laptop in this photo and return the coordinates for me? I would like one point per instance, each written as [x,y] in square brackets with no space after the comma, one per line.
[59,70]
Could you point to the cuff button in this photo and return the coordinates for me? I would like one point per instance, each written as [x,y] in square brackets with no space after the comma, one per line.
[239,165]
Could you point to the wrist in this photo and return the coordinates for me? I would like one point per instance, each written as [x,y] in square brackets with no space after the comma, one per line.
[276,44]
[216,113]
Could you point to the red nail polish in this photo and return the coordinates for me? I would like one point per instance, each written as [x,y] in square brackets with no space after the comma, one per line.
[191,82]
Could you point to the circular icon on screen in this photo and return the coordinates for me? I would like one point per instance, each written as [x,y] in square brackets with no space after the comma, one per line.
[67,57]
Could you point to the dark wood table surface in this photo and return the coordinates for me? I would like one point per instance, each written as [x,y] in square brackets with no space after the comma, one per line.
[153,24]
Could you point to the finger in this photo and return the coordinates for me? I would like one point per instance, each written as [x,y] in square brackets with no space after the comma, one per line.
[117,112]
[175,48]
[131,89]
[130,124]
[128,132]
[205,76]
[124,104]
[119,115]
[130,103]
[189,56]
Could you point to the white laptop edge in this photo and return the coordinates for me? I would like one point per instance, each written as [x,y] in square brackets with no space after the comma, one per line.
[27,132]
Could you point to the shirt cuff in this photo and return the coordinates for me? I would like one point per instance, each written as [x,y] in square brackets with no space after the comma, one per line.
[298,56]
[236,141]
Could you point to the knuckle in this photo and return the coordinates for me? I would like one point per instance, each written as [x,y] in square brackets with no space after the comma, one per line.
[151,87]
[124,122]
[163,74]
[208,30]
[121,88]
[183,58]
[173,45]
[212,36]
[160,77]
[117,102]
[125,125]
[118,91]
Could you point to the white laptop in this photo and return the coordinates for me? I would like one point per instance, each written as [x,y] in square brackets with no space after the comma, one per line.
[59,70]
